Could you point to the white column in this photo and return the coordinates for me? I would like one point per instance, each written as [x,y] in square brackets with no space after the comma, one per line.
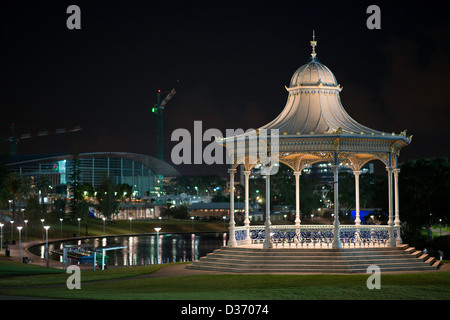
[357,219]
[398,240]
[390,221]
[232,237]
[336,228]
[297,198]
[267,242]
[247,220]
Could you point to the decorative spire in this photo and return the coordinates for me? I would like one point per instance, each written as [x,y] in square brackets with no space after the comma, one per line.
[313,45]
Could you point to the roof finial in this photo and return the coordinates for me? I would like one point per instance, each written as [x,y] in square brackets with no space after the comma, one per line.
[313,45]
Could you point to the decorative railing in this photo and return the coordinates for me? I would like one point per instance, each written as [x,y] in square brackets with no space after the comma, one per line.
[316,236]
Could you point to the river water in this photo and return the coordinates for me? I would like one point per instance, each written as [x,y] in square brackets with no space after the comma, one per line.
[143,249]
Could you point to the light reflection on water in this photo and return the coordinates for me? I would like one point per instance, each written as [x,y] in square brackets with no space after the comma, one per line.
[143,250]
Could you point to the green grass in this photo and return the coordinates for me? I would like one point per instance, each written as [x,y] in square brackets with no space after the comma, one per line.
[411,286]
[29,275]
[8,268]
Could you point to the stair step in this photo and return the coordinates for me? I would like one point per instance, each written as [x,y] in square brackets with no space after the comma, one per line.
[352,260]
[410,250]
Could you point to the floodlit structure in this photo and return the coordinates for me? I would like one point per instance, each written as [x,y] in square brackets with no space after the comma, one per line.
[314,127]
[139,171]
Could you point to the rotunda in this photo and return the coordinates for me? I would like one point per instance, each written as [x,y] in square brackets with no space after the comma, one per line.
[314,127]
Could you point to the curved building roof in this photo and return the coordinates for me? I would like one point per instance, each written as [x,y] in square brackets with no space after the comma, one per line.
[314,105]
[157,166]
[313,73]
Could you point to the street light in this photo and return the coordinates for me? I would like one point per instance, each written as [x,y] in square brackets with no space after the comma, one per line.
[1,237]
[26,229]
[12,233]
[42,230]
[20,243]
[104,224]
[192,218]
[46,242]
[79,219]
[61,219]
[130,218]
[157,242]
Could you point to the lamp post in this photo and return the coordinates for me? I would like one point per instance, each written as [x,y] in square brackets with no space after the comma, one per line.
[1,237]
[79,219]
[157,243]
[192,225]
[224,218]
[42,231]
[12,233]
[46,242]
[130,218]
[26,229]
[104,224]
[61,220]
[20,242]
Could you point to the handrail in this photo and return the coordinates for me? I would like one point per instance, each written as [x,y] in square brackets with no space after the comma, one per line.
[312,235]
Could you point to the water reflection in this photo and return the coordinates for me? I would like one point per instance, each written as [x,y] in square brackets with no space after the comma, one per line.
[143,250]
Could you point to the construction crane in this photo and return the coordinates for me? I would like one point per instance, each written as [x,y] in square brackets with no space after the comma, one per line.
[158,109]
[15,140]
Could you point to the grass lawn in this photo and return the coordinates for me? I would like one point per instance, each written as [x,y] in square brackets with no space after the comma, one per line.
[411,286]
[14,274]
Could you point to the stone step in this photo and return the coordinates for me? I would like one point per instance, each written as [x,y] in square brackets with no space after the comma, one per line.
[356,260]
[264,261]
[322,259]
[317,269]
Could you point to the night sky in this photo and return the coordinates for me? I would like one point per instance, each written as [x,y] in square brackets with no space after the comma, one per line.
[228,61]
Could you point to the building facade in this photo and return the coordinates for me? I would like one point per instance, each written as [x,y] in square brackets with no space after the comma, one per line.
[141,172]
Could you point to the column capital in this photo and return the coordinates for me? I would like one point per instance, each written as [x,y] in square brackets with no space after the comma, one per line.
[396,171]
[357,172]
[297,173]
[389,169]
[231,171]
[247,172]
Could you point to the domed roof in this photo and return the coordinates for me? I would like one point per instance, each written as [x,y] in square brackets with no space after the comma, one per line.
[312,74]
[314,105]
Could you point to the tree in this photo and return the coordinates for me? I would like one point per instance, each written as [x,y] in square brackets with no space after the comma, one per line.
[14,184]
[43,186]
[424,186]
[75,186]
[180,212]
[166,210]
[108,197]
[124,191]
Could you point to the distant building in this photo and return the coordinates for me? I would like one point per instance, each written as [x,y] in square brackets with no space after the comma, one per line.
[139,171]
[214,210]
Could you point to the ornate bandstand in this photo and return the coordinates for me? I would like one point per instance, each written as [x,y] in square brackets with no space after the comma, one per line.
[314,127]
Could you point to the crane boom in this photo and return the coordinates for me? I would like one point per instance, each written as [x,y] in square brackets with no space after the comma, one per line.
[158,109]
[15,140]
